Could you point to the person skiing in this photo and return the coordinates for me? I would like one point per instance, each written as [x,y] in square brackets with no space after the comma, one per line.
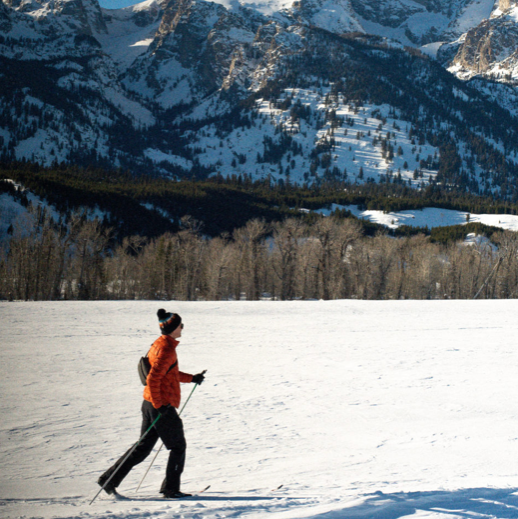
[161,396]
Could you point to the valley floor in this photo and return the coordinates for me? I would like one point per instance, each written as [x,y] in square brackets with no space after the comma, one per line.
[358,409]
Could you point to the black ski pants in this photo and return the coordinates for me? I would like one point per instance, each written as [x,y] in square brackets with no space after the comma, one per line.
[169,429]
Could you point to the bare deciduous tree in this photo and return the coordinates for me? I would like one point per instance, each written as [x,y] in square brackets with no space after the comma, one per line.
[328,258]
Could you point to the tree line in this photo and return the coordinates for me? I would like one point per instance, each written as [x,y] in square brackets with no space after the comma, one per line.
[326,258]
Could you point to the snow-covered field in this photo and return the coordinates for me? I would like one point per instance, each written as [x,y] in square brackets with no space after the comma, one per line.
[428,217]
[359,409]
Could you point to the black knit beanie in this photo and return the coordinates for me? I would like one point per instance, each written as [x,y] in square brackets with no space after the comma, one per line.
[168,322]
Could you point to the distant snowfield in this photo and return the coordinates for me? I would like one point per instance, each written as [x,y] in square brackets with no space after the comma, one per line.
[429,217]
[359,409]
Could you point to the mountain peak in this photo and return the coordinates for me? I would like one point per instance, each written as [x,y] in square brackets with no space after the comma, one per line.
[333,15]
[80,16]
[318,91]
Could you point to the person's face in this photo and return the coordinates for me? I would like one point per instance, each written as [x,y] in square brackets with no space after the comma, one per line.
[176,334]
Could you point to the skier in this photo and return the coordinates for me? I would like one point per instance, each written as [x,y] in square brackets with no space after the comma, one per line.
[161,395]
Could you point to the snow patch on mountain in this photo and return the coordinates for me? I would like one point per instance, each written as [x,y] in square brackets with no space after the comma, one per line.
[505,95]
[141,116]
[125,45]
[358,144]
[176,83]
[158,156]
[473,14]
[431,49]
[266,7]
[160,210]
[420,23]
[332,15]
[392,33]
[211,106]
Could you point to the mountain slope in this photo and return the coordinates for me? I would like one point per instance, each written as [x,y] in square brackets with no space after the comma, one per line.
[298,92]
[490,48]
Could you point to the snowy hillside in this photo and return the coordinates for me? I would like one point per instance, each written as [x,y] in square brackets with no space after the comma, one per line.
[365,144]
[305,92]
[358,409]
[130,31]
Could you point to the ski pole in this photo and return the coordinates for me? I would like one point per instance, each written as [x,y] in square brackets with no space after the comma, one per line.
[162,444]
[126,457]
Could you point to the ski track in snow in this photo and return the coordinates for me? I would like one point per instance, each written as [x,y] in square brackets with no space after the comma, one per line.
[380,409]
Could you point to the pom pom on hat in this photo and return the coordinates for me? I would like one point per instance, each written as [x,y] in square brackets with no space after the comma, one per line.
[168,321]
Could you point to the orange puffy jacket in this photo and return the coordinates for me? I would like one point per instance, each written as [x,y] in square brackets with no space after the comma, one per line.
[163,387]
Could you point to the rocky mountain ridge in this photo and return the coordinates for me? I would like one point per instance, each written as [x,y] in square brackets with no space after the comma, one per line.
[489,50]
[310,92]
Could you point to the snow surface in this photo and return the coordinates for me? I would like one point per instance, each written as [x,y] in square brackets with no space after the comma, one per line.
[359,409]
[473,15]
[428,217]
[160,156]
[125,40]
[266,7]
[431,49]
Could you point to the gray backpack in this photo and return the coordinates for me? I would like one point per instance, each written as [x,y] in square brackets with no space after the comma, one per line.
[144,367]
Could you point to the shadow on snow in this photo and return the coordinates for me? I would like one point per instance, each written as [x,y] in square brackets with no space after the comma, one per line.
[474,502]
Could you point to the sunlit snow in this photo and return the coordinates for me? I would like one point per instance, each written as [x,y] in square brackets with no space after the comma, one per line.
[372,409]
[428,217]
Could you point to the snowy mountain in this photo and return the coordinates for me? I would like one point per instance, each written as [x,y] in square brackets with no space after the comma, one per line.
[306,91]
[489,49]
[422,21]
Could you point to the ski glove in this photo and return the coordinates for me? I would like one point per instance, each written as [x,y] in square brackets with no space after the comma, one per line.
[199,378]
